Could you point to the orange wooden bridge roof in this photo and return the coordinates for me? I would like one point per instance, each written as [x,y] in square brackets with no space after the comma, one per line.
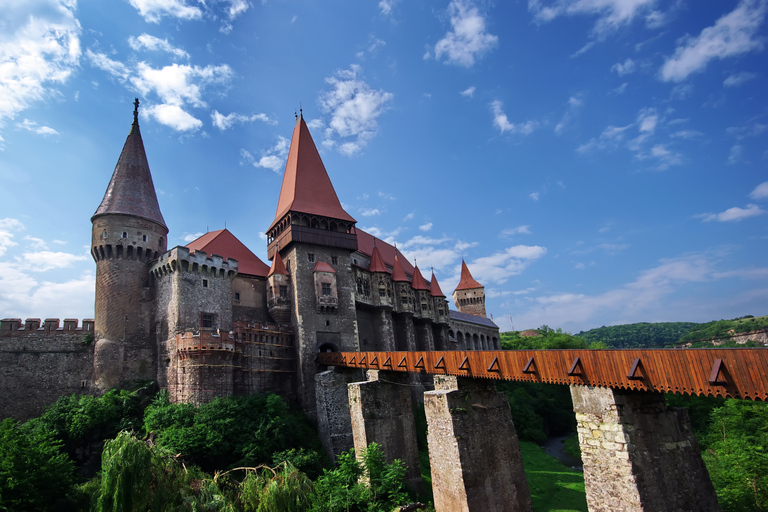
[727,372]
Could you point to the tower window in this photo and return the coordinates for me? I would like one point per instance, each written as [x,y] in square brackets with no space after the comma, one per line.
[326,288]
[283,292]
[206,320]
[311,257]
[125,235]
[144,238]
[237,295]
[205,283]
[334,260]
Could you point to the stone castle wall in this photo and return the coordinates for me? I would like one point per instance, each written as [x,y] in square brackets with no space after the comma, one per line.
[41,361]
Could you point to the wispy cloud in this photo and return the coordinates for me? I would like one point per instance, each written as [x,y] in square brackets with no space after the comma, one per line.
[426,227]
[223,122]
[734,34]
[39,50]
[354,108]
[760,192]
[467,40]
[155,44]
[468,92]
[33,127]
[734,214]
[520,230]
[272,158]
[624,68]
[611,14]
[737,79]
[501,121]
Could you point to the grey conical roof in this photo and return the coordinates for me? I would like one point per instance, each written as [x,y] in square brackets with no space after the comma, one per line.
[131,191]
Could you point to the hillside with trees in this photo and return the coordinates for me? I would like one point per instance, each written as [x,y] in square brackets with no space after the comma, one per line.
[639,335]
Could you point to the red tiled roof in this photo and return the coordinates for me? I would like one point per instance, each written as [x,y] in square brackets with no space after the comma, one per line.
[377,262]
[278,267]
[306,186]
[322,266]
[467,282]
[365,244]
[225,244]
[398,274]
[418,282]
[434,288]
[131,191]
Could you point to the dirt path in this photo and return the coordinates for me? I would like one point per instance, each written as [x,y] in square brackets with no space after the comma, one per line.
[554,447]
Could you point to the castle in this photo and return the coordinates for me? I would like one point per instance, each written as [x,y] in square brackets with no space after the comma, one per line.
[211,319]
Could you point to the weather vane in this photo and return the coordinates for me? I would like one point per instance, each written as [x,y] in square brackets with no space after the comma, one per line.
[136,109]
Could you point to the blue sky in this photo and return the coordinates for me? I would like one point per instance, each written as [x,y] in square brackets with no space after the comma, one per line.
[595,162]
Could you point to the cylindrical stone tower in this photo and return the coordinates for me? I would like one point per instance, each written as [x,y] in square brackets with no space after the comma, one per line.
[128,232]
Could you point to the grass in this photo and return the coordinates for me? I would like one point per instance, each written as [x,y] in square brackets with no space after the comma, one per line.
[554,487]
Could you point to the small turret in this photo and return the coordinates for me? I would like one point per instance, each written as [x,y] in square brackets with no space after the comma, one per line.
[469,295]
[278,291]
[128,231]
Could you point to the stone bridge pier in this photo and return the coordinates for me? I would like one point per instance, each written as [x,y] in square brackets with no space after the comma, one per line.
[638,454]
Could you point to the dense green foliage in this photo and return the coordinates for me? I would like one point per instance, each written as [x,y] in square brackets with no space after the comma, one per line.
[735,449]
[552,485]
[721,328]
[546,339]
[34,473]
[234,431]
[640,334]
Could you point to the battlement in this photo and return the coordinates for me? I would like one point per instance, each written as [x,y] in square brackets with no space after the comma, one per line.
[204,342]
[181,259]
[14,326]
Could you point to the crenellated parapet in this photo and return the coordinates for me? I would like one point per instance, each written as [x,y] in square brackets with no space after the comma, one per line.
[15,327]
[181,259]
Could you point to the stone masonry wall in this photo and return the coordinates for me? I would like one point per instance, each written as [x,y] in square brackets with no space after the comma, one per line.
[38,366]
[638,454]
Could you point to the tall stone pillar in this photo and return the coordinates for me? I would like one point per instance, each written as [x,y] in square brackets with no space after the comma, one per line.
[473,448]
[638,454]
[332,398]
[385,330]
[382,412]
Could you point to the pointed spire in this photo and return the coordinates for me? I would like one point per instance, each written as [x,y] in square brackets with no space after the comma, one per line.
[306,186]
[434,288]
[131,191]
[418,282]
[278,267]
[398,274]
[467,282]
[377,262]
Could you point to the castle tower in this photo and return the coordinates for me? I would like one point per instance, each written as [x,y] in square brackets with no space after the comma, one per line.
[278,291]
[128,231]
[315,237]
[469,295]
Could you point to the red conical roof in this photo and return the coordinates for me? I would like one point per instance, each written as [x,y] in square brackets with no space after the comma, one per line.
[418,282]
[434,288]
[467,282]
[131,191]
[226,245]
[398,274]
[377,262]
[306,186]
[278,267]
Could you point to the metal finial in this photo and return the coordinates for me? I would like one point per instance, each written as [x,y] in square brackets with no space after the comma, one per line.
[295,115]
[136,109]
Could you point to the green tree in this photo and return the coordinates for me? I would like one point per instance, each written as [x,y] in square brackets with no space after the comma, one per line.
[736,454]
[35,474]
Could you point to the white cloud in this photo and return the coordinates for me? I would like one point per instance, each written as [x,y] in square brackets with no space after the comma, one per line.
[273,158]
[534,196]
[426,227]
[468,92]
[468,39]
[178,84]
[385,6]
[7,227]
[738,79]
[35,128]
[42,261]
[370,212]
[624,68]
[37,243]
[155,44]
[499,267]
[113,67]
[735,154]
[408,217]
[520,230]
[647,120]
[39,49]
[354,109]
[760,192]
[174,117]
[734,214]
[191,237]
[574,104]
[611,14]
[733,34]
[223,122]
[154,10]
[501,122]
